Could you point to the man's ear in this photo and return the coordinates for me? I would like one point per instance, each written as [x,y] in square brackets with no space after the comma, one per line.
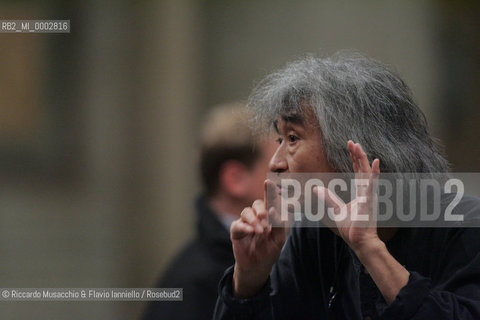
[233,179]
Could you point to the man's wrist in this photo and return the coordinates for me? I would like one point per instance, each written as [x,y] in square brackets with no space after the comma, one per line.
[387,273]
[369,249]
[247,283]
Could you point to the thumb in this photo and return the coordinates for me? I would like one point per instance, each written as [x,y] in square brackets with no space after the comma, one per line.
[330,199]
[334,204]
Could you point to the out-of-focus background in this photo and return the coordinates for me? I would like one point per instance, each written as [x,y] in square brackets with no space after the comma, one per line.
[98,128]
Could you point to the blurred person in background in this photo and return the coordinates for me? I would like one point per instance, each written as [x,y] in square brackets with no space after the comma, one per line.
[233,166]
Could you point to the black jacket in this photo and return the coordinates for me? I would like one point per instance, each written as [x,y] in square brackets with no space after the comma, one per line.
[318,277]
[197,269]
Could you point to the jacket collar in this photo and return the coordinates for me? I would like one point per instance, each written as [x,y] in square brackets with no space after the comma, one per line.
[209,226]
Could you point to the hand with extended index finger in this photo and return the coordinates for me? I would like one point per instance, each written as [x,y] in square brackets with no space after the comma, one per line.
[256,246]
[356,221]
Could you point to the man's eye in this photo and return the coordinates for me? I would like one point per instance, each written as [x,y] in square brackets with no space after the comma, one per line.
[279,140]
[292,138]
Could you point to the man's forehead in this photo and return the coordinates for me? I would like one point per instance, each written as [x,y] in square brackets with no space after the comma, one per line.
[296,117]
[291,120]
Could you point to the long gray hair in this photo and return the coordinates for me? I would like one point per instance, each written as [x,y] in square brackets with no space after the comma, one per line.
[353,98]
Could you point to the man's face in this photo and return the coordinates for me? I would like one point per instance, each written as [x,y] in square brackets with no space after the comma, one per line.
[299,147]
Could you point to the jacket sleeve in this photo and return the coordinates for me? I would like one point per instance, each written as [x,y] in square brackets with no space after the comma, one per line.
[453,294]
[229,307]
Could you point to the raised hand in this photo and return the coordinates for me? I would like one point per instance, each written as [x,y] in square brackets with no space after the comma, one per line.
[356,221]
[256,244]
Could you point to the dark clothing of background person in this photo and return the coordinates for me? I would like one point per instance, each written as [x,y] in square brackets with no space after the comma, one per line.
[197,269]
[319,277]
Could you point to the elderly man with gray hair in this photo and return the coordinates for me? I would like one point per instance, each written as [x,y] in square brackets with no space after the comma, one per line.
[348,113]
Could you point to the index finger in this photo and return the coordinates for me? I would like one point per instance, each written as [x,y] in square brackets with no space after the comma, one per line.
[270,194]
[260,209]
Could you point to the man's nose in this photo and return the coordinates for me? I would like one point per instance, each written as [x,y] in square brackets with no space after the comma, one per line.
[278,163]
